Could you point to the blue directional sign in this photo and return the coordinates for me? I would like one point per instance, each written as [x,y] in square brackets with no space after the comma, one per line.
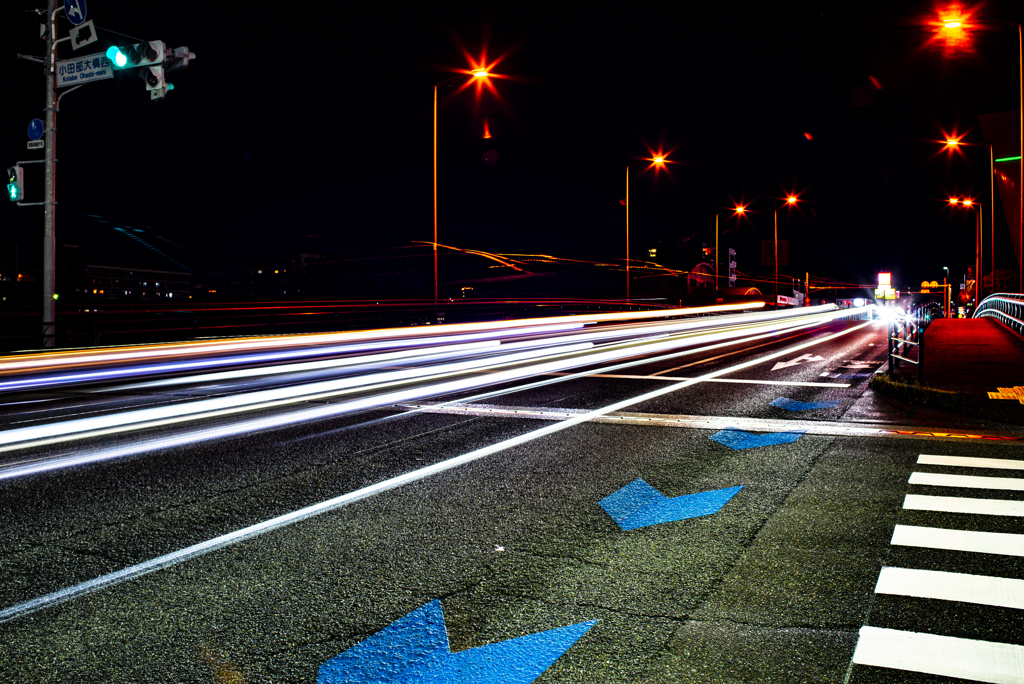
[791,405]
[35,129]
[737,439]
[414,650]
[638,504]
[75,11]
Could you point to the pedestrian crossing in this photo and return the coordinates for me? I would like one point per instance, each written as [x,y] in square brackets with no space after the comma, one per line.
[908,632]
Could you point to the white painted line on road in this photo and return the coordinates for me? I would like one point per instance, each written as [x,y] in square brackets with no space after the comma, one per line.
[960,504]
[967,481]
[811,427]
[971,462]
[671,378]
[983,661]
[999,543]
[952,586]
[202,548]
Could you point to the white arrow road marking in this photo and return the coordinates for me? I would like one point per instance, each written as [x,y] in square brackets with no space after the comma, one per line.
[858,364]
[797,361]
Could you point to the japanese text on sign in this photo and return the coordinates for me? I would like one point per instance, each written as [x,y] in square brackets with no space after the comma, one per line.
[84,69]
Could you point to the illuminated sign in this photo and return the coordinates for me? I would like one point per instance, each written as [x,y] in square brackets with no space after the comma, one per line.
[884,280]
[886,293]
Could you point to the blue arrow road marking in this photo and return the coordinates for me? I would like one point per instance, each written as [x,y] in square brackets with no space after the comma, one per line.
[414,650]
[791,405]
[638,504]
[737,439]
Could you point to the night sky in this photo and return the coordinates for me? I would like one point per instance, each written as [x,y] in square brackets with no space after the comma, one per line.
[311,128]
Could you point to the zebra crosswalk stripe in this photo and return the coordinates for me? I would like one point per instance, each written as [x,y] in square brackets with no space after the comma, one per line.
[952,586]
[983,661]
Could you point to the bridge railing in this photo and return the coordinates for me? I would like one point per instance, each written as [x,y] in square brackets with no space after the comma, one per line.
[1006,307]
[906,331]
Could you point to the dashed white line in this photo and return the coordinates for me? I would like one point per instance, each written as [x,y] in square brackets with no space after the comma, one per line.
[952,586]
[1000,543]
[967,481]
[962,504]
[984,661]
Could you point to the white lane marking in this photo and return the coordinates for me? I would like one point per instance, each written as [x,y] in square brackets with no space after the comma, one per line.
[961,504]
[959,540]
[967,481]
[858,364]
[202,548]
[971,462]
[984,661]
[797,361]
[673,378]
[952,586]
[811,427]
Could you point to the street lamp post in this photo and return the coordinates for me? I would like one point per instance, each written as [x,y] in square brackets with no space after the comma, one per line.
[476,73]
[790,201]
[969,203]
[954,143]
[627,232]
[954,27]
[657,161]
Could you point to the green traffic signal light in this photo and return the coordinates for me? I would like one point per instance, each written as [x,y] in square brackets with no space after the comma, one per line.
[118,58]
[15,184]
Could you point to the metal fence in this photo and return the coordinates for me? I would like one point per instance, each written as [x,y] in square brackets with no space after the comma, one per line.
[1005,307]
[906,332]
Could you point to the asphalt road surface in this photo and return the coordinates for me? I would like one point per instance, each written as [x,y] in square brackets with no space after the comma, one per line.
[843,539]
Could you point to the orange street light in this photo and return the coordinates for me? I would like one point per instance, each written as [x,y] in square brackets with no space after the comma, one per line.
[480,74]
[979,263]
[658,161]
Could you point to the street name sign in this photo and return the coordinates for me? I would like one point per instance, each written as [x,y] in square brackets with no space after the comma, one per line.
[83,70]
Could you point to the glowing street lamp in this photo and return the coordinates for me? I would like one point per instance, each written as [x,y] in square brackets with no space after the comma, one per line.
[791,201]
[970,203]
[953,31]
[658,161]
[480,75]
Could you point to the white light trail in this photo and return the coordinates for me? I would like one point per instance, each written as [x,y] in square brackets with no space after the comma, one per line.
[196,550]
[154,417]
[52,359]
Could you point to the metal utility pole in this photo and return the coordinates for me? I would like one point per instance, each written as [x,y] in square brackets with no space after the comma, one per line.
[49,189]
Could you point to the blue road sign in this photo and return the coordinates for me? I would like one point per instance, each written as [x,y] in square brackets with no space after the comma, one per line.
[35,129]
[75,11]
[793,405]
[414,650]
[737,439]
[638,504]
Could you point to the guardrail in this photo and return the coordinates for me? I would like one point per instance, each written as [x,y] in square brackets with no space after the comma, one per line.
[1005,307]
[907,329]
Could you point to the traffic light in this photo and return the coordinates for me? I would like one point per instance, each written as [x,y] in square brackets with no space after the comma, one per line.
[15,183]
[137,55]
[154,77]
